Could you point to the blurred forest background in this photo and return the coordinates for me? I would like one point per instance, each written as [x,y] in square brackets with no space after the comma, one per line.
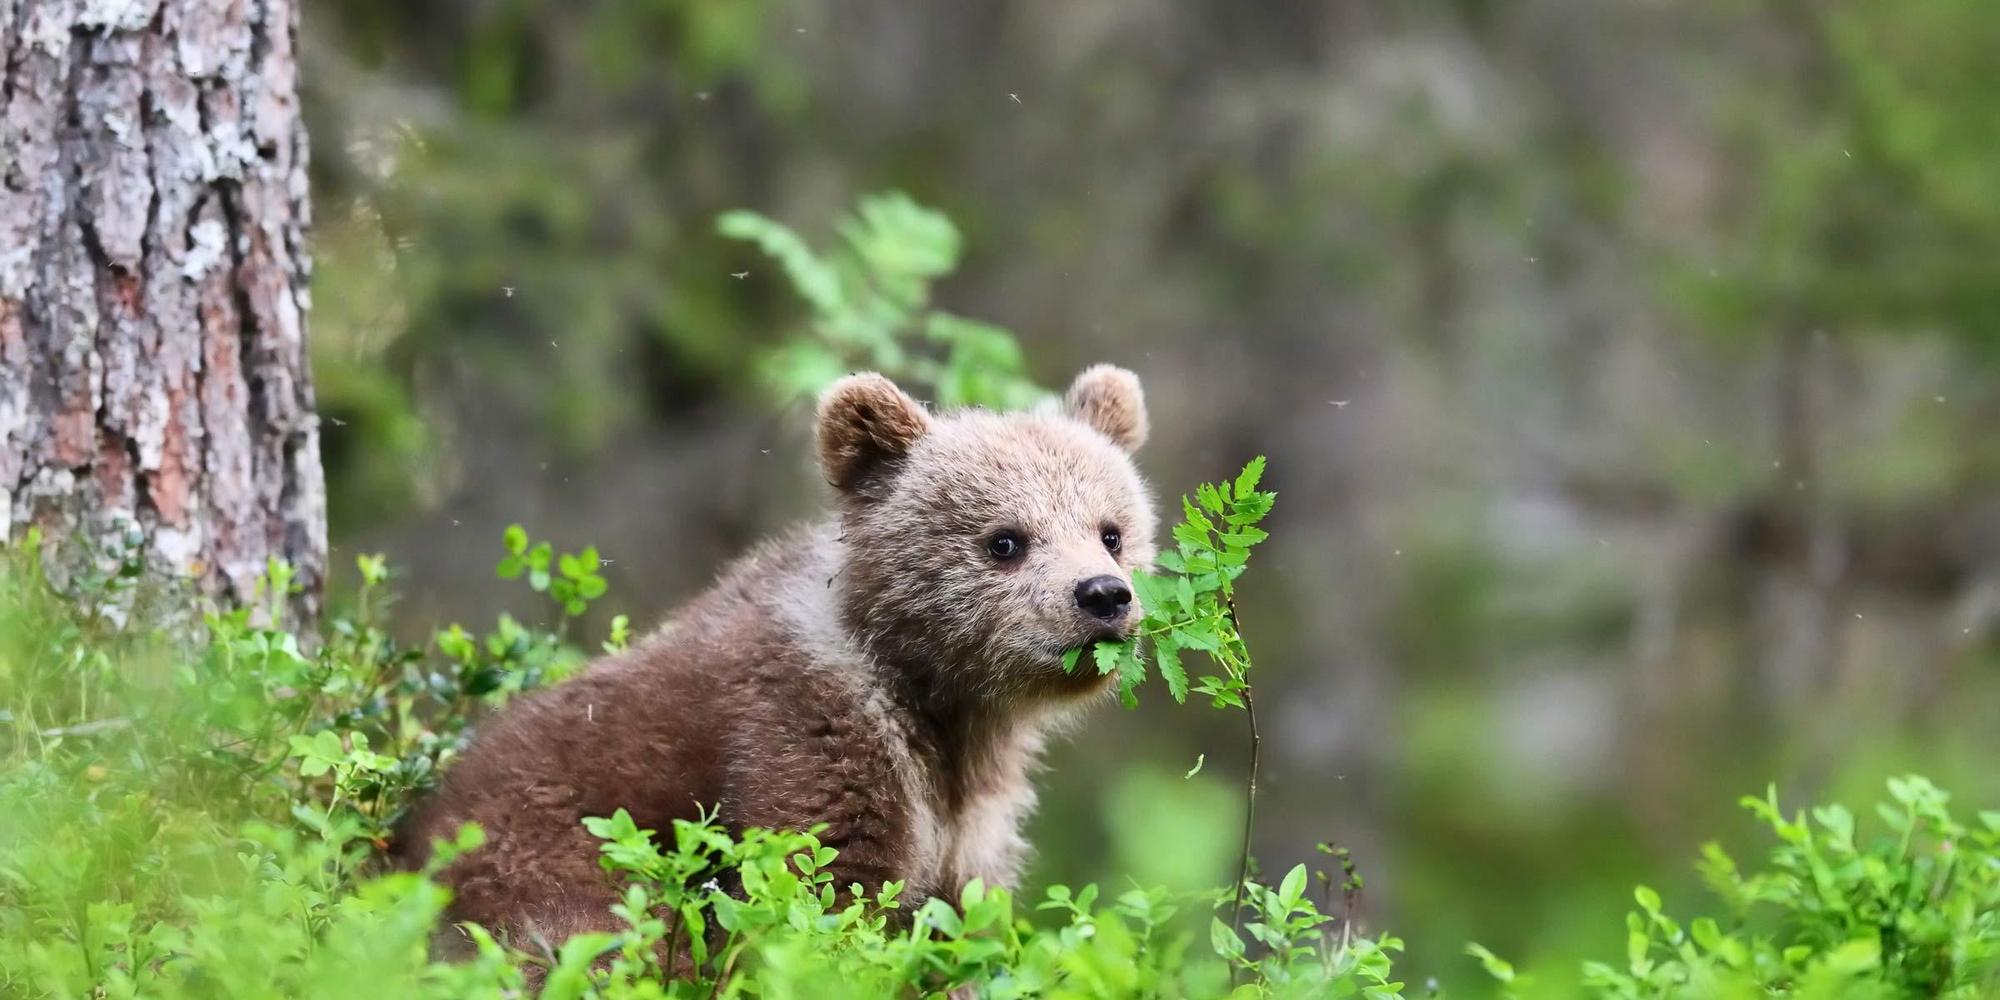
[1627,369]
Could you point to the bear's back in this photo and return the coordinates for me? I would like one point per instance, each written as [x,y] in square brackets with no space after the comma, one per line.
[750,705]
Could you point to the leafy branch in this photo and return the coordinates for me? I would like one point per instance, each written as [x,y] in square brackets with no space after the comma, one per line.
[869,297]
[1191,605]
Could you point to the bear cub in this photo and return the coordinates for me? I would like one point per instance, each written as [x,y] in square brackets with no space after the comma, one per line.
[891,672]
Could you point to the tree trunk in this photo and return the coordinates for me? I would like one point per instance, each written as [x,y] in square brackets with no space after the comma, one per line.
[154,389]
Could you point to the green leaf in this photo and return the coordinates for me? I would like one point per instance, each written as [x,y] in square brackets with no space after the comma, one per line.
[1167,658]
[1251,509]
[1151,590]
[1069,658]
[1500,969]
[695,925]
[1105,655]
[939,913]
[1293,887]
[887,896]
[1131,673]
[1244,538]
[516,539]
[985,366]
[1224,940]
[1648,899]
[570,978]
[1854,957]
[1706,933]
[1839,822]
[1199,634]
[1252,473]
[1636,945]
[813,278]
[1210,499]
[897,236]
[1192,537]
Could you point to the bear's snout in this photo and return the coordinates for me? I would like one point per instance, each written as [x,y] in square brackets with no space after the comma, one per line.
[1105,598]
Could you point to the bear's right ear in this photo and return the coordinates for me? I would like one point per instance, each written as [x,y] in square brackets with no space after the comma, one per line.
[866,422]
[1109,399]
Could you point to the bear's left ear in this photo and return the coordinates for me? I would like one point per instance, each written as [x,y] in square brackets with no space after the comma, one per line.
[866,423]
[1109,399]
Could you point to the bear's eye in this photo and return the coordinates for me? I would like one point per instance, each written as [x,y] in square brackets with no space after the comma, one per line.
[1113,540]
[1006,546]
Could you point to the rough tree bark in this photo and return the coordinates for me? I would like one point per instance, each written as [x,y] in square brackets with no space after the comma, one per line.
[153,375]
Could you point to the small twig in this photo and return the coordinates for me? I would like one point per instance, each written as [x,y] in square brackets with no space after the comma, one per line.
[1249,810]
[1250,796]
[674,944]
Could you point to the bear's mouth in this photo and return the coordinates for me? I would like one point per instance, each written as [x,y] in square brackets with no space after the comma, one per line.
[1090,639]
[1107,633]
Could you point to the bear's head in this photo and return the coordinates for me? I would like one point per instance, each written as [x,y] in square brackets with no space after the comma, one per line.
[981,546]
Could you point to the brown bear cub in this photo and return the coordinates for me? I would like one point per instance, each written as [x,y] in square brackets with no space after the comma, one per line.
[891,672]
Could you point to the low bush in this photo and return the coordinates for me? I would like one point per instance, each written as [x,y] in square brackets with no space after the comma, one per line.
[1911,911]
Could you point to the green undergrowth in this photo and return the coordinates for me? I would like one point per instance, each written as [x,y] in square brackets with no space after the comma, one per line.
[196,805]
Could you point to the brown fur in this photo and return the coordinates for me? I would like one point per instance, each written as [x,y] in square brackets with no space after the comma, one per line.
[1109,398]
[880,673]
[865,421]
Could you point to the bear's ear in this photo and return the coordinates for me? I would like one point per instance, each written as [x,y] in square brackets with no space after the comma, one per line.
[865,422]
[1109,399]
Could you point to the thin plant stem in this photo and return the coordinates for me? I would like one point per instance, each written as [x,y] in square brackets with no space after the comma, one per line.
[1250,783]
[1249,813]
[729,952]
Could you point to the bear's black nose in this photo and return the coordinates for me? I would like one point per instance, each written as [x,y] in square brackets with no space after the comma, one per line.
[1104,597]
